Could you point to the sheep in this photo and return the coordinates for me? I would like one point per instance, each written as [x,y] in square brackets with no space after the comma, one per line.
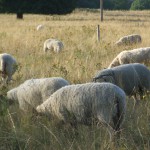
[8,66]
[129,39]
[53,44]
[40,27]
[84,103]
[134,79]
[140,55]
[33,92]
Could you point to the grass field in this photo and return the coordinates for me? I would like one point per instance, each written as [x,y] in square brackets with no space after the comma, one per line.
[82,57]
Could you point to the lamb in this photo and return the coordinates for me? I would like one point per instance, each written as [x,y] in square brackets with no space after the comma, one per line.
[33,92]
[40,27]
[83,103]
[129,39]
[141,55]
[8,66]
[134,78]
[53,44]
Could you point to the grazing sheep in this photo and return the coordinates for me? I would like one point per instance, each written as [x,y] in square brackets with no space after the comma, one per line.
[141,55]
[33,92]
[129,39]
[40,27]
[134,78]
[84,103]
[53,44]
[8,66]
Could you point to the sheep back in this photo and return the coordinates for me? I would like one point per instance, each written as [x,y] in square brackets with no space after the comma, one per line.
[35,91]
[132,78]
[53,44]
[8,66]
[129,39]
[84,102]
[140,55]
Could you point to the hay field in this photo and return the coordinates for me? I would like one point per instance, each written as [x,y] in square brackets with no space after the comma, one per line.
[82,57]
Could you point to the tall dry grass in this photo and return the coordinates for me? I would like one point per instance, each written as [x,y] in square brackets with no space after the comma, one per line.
[82,57]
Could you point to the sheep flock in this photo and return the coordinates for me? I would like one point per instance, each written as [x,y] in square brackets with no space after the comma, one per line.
[102,101]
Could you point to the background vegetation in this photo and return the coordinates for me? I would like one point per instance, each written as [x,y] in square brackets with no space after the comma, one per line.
[82,57]
[67,6]
[115,4]
[38,6]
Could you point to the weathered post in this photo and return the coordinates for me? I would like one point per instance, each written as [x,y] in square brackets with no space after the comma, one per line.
[101,9]
[98,33]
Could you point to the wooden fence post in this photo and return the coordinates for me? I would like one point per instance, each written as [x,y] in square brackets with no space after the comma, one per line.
[98,33]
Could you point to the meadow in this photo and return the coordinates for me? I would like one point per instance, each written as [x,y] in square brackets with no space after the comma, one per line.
[81,58]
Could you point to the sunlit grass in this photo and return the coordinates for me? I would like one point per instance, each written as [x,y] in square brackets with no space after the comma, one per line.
[81,58]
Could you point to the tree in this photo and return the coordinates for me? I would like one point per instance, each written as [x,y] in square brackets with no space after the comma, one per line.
[120,4]
[140,5]
[108,4]
[88,3]
[37,6]
[19,6]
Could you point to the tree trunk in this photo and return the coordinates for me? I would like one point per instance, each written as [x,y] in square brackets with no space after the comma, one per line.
[19,15]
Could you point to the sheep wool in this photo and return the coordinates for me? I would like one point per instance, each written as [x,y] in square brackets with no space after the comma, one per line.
[81,103]
[53,45]
[141,55]
[133,78]
[33,92]
[40,27]
[129,39]
[8,66]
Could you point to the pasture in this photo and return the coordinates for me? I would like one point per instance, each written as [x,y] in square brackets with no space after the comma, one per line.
[81,58]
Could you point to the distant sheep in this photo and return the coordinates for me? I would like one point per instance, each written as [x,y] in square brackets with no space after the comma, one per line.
[33,92]
[140,55]
[8,66]
[53,45]
[129,39]
[134,79]
[40,27]
[84,103]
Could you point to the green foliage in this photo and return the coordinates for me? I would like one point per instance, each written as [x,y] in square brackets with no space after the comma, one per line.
[108,4]
[38,6]
[140,4]
[88,3]
[120,4]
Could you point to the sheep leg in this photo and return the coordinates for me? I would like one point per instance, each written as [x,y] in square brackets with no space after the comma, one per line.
[136,103]
[137,99]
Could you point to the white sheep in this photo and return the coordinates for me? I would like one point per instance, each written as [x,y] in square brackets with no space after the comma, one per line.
[53,44]
[40,27]
[33,92]
[134,78]
[8,66]
[140,55]
[84,103]
[129,39]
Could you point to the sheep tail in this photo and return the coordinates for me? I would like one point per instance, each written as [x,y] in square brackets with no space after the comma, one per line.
[119,117]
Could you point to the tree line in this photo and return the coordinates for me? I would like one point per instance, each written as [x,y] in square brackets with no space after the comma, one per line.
[115,4]
[67,6]
[37,6]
